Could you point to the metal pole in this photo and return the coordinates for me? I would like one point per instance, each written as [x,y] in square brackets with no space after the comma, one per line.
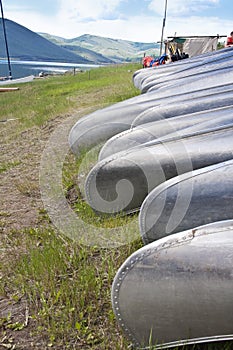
[4,32]
[164,21]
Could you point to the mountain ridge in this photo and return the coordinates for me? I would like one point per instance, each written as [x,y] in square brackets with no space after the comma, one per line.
[117,50]
[26,45]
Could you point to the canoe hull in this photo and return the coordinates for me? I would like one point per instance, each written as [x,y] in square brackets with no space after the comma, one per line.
[192,199]
[174,127]
[99,126]
[144,76]
[121,183]
[178,290]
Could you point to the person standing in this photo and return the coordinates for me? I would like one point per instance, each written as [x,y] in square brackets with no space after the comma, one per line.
[229,41]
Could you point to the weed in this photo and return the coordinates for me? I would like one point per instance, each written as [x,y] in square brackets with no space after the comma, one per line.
[4,166]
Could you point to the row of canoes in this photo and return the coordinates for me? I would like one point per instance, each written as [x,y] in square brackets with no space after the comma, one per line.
[102,124]
[168,153]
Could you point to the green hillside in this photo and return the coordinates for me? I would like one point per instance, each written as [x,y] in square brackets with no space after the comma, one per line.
[116,50]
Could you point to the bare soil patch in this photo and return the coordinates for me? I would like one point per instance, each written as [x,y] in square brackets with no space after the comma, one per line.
[20,207]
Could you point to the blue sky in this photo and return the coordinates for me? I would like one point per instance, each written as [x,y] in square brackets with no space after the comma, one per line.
[136,20]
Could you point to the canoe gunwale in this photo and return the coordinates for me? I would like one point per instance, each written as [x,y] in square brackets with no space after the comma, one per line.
[193,341]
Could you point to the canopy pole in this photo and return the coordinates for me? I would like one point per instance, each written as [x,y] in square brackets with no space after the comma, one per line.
[163,26]
[4,32]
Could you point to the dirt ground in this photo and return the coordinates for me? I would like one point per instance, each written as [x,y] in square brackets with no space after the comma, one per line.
[20,207]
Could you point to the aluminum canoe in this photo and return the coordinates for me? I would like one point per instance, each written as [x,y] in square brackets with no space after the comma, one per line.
[178,108]
[144,76]
[195,70]
[121,183]
[102,124]
[189,200]
[191,82]
[172,126]
[141,74]
[178,290]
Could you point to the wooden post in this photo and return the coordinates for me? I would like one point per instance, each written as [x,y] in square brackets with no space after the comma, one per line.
[164,21]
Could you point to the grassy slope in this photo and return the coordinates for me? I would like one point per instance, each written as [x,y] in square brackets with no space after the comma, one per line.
[64,285]
[54,292]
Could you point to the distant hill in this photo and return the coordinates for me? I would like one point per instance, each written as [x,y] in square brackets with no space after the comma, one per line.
[27,45]
[116,50]
[71,45]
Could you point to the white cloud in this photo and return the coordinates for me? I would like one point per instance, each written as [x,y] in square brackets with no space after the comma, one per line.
[65,22]
[149,29]
[197,26]
[84,9]
[181,7]
[34,21]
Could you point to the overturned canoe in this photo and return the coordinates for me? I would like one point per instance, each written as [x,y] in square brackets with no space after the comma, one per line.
[162,70]
[191,82]
[100,125]
[196,70]
[143,77]
[178,290]
[175,108]
[120,183]
[189,200]
[169,127]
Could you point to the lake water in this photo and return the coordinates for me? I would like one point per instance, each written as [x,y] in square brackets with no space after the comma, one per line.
[24,68]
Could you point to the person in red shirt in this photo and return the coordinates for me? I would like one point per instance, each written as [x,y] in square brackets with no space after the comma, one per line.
[229,41]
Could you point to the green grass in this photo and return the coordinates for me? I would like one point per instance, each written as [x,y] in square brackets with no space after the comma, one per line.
[4,166]
[66,285]
[66,281]
[68,288]
[35,103]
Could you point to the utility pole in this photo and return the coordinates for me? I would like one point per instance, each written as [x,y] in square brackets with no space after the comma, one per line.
[163,26]
[5,38]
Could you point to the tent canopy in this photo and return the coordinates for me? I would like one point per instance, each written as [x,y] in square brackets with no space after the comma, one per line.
[193,45]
